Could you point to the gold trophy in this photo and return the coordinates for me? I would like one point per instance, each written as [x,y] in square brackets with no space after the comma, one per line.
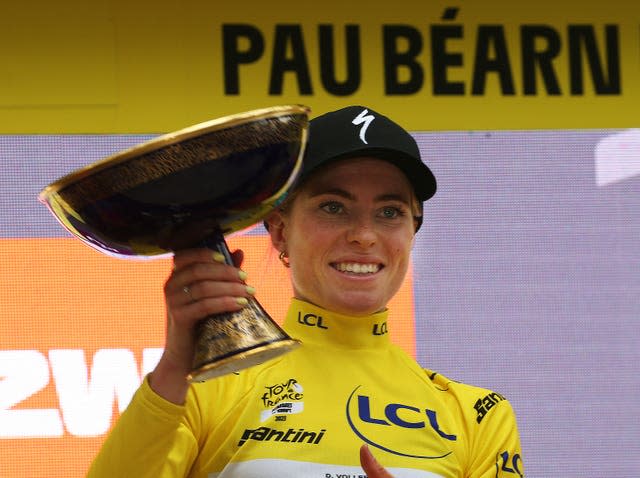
[187,189]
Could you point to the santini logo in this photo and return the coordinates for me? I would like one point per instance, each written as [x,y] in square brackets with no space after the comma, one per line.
[289,436]
[483,405]
[397,428]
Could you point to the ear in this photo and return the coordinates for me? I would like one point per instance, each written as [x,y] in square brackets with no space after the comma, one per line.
[275,222]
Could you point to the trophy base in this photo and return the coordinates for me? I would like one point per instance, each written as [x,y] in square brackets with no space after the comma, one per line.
[241,360]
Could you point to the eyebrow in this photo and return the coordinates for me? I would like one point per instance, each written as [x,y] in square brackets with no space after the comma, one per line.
[347,195]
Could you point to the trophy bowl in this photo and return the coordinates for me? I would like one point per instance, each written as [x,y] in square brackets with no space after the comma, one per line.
[191,188]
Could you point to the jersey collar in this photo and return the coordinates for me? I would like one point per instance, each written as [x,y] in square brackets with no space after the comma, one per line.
[312,324]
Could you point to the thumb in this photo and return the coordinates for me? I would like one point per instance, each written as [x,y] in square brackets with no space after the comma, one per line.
[370,465]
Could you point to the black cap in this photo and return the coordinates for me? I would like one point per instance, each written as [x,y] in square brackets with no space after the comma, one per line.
[359,131]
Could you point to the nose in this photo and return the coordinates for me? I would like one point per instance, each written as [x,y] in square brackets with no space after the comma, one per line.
[362,232]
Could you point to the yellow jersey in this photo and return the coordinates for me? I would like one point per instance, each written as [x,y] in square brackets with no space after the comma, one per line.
[306,414]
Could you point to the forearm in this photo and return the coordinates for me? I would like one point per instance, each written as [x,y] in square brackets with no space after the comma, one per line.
[169,380]
[151,439]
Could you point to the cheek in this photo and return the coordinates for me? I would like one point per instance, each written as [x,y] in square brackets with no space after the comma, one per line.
[401,249]
[303,241]
[402,242]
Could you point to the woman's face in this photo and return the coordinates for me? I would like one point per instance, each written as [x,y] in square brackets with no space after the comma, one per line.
[348,234]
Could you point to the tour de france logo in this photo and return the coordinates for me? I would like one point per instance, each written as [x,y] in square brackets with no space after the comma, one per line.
[281,399]
[404,429]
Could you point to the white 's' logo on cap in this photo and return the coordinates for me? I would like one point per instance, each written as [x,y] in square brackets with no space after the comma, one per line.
[366,119]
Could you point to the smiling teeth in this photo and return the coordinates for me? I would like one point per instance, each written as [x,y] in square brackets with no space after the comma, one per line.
[358,268]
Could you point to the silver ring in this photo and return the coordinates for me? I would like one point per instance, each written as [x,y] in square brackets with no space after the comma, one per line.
[187,290]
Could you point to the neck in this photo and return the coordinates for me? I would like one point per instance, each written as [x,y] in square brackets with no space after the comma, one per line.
[313,324]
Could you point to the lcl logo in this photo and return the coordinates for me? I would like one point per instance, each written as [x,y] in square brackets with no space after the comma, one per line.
[311,320]
[372,420]
[392,414]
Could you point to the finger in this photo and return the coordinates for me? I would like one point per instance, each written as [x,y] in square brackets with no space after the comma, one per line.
[183,318]
[198,310]
[370,465]
[193,273]
[185,257]
[200,285]
[238,292]
[215,289]
[204,255]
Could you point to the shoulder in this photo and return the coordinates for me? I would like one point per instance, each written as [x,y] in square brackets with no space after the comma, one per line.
[490,427]
[474,403]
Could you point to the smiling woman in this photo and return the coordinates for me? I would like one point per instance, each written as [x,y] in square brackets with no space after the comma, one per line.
[346,233]
[355,258]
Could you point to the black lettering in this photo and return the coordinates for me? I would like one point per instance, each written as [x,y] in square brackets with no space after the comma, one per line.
[245,436]
[395,59]
[289,55]
[481,411]
[311,320]
[486,403]
[533,59]
[327,60]
[276,389]
[279,435]
[496,397]
[309,436]
[233,56]
[380,329]
[287,435]
[260,434]
[582,39]
[442,59]
[449,13]
[320,435]
[491,37]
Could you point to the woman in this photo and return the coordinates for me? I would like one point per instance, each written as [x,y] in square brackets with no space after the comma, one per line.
[346,233]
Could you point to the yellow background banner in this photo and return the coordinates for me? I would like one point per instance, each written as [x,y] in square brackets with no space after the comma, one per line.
[114,66]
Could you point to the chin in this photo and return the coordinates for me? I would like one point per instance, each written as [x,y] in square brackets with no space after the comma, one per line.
[355,303]
[357,308]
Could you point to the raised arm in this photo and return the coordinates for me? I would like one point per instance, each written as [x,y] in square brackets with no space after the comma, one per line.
[200,285]
[156,436]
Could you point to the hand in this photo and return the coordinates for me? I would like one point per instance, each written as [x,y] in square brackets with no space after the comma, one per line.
[370,465]
[200,285]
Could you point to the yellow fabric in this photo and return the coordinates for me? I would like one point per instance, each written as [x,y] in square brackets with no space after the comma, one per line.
[306,414]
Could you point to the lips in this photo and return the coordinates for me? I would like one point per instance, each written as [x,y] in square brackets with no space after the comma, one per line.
[357,267]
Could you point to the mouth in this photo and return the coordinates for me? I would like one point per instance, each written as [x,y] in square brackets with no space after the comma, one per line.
[357,268]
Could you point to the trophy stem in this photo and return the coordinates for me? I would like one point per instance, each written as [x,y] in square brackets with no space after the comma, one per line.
[232,341]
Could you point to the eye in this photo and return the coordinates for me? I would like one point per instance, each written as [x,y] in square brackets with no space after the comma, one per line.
[332,207]
[391,212]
